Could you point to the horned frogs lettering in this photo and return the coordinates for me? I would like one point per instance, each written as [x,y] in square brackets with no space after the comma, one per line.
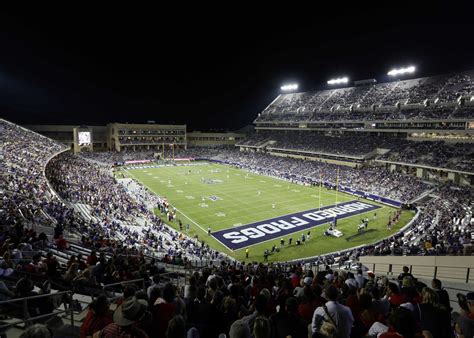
[249,234]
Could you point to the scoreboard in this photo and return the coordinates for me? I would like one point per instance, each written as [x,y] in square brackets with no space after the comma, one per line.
[83,139]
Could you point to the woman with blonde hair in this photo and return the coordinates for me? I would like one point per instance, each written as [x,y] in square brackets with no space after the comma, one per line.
[72,272]
[261,327]
[433,317]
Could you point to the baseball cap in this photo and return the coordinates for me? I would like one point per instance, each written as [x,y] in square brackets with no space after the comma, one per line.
[308,280]
[371,274]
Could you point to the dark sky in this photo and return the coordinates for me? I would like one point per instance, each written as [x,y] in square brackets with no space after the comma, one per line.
[215,67]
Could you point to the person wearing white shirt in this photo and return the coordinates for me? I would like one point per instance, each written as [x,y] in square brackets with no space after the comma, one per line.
[155,284]
[341,315]
[360,279]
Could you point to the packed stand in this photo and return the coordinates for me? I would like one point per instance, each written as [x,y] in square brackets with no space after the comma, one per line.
[334,144]
[445,226]
[272,301]
[25,196]
[458,156]
[368,102]
[119,211]
[376,181]
[118,157]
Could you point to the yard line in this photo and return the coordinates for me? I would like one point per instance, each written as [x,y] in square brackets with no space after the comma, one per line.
[182,213]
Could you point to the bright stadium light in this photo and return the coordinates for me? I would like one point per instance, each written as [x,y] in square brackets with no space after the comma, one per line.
[289,87]
[338,81]
[401,71]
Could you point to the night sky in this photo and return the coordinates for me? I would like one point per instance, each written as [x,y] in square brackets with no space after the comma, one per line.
[208,69]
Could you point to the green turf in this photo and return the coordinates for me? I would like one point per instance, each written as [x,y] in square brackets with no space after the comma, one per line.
[240,203]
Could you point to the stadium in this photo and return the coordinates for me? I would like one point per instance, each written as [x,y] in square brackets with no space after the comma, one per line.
[342,210]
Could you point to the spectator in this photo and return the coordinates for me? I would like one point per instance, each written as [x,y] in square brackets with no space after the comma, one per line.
[261,328]
[164,309]
[125,317]
[287,322]
[464,321]
[433,317]
[443,295]
[98,317]
[333,312]
[402,324]
[260,306]
[37,331]
[404,274]
[176,327]
[239,329]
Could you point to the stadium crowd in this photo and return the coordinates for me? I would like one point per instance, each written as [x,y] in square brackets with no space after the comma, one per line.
[237,299]
[117,210]
[444,227]
[387,114]
[333,144]
[28,203]
[375,181]
[25,195]
[110,158]
[267,301]
[376,102]
[457,156]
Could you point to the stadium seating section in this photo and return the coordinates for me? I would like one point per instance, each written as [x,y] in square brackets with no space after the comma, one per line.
[415,99]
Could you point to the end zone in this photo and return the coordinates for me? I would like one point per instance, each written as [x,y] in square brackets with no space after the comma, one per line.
[258,232]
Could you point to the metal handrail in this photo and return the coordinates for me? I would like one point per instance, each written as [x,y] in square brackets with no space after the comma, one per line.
[28,320]
[142,280]
[430,275]
[125,282]
[33,297]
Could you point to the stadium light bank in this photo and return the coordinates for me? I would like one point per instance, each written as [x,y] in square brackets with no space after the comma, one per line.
[401,71]
[341,80]
[289,87]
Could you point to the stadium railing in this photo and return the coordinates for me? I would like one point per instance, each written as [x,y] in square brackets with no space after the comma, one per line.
[27,320]
[447,268]
[113,296]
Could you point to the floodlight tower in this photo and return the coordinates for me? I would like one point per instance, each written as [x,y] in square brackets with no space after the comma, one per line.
[290,87]
[396,72]
[337,81]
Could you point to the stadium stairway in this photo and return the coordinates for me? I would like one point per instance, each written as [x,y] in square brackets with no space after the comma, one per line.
[424,197]
[84,210]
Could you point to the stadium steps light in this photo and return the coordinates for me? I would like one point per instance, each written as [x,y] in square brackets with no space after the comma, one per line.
[340,80]
[289,87]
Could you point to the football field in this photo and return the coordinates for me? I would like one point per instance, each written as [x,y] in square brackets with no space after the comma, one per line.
[246,210]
